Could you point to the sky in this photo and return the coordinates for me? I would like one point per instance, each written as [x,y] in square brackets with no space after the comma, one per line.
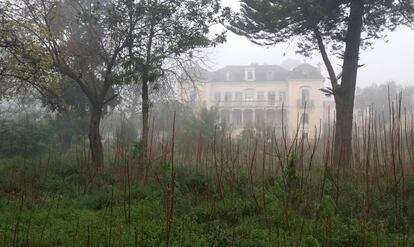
[385,61]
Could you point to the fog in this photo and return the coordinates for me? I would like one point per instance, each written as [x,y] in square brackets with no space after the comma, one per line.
[138,123]
[389,59]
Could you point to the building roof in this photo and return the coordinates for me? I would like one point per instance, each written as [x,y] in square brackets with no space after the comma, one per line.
[306,71]
[263,73]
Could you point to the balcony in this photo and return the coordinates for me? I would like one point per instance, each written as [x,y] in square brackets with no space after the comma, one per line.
[248,104]
[308,104]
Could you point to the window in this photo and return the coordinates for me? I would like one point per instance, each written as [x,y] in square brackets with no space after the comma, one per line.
[271,97]
[249,75]
[237,118]
[281,118]
[238,96]
[248,116]
[270,75]
[260,97]
[305,118]
[217,96]
[227,97]
[260,116]
[225,116]
[305,95]
[249,95]
[282,97]
[228,76]
[271,117]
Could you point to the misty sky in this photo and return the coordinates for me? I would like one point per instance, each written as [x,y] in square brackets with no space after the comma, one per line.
[384,62]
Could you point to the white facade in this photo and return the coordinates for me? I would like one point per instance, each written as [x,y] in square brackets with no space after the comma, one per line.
[259,95]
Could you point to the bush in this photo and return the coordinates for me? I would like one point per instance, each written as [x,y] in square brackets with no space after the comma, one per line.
[25,137]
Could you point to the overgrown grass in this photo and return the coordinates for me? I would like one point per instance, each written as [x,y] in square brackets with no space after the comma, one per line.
[215,190]
[58,208]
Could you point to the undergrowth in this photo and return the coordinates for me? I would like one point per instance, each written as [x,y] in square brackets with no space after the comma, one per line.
[46,205]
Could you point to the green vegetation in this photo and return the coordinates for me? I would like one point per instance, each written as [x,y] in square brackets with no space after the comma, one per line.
[58,204]
[35,135]
[192,181]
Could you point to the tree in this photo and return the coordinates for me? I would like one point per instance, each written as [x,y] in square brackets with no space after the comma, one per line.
[381,97]
[341,27]
[80,40]
[166,38]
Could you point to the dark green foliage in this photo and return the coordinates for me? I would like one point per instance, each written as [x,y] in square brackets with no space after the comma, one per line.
[137,150]
[310,241]
[25,137]
[201,126]
[34,136]
[268,22]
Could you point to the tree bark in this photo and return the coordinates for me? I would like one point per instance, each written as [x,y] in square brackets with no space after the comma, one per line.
[95,140]
[145,116]
[344,97]
[343,131]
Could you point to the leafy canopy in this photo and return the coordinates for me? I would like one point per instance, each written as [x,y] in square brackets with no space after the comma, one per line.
[267,22]
[168,34]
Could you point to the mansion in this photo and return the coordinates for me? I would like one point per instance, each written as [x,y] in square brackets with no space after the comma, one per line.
[262,95]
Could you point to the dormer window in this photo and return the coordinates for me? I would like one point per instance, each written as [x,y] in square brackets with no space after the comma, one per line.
[270,75]
[249,75]
[228,76]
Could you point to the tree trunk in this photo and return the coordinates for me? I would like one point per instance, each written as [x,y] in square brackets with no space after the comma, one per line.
[344,98]
[95,140]
[145,116]
[343,131]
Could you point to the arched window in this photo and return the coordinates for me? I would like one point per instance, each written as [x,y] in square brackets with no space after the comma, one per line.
[305,95]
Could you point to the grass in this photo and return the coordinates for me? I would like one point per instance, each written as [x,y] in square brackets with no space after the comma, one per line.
[55,209]
[217,191]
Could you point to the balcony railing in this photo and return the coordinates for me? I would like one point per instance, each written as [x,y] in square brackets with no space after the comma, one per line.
[309,104]
[247,103]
